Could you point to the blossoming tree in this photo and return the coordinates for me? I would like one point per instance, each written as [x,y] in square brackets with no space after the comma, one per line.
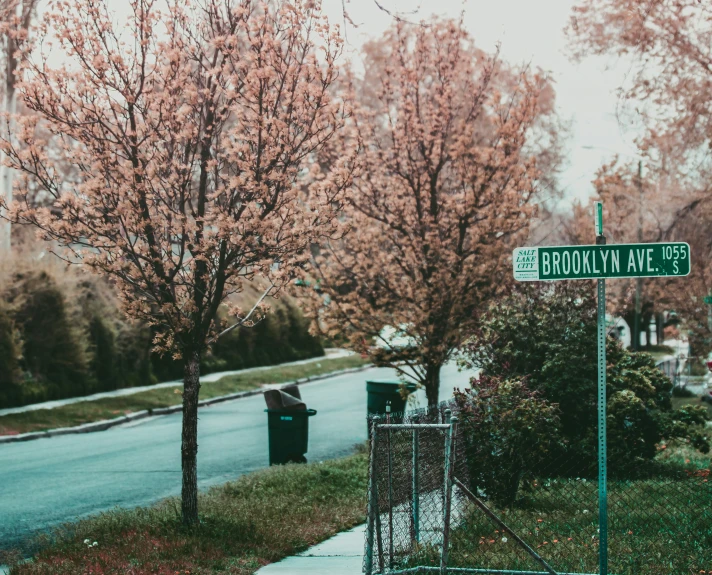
[188,134]
[442,195]
[668,45]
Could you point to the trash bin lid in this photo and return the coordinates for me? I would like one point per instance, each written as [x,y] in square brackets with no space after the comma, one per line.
[410,386]
[278,399]
[306,412]
[292,389]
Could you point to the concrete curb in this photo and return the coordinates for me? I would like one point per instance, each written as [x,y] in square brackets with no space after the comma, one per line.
[108,423]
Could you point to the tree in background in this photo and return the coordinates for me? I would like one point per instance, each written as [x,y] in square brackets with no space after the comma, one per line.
[670,46]
[189,142]
[443,193]
[687,297]
[637,207]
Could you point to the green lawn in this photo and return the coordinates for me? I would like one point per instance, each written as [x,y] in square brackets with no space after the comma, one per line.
[108,408]
[658,526]
[659,351]
[259,518]
[678,402]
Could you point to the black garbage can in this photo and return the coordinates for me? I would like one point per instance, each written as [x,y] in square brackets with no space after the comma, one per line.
[380,393]
[288,435]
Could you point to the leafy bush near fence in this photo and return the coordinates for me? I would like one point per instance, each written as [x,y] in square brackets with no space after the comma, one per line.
[508,430]
[62,334]
[659,521]
[548,335]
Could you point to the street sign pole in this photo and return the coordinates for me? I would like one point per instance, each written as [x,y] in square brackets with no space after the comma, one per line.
[602,447]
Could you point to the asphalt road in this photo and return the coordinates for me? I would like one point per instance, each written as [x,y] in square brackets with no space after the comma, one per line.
[46,482]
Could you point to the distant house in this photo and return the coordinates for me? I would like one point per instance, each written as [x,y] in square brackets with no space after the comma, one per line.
[619,329]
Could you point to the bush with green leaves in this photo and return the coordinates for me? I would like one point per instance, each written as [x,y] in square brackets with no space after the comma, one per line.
[54,353]
[62,334]
[509,430]
[10,388]
[548,335]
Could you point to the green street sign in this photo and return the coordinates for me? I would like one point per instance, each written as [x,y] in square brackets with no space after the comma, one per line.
[601,261]
[708,299]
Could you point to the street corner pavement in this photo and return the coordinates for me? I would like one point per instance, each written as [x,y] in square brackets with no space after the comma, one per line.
[342,554]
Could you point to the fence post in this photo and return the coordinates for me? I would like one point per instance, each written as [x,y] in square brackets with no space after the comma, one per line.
[415,500]
[446,418]
[447,500]
[390,489]
[372,501]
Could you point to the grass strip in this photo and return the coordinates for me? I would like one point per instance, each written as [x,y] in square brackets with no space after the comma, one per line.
[656,527]
[659,525]
[257,519]
[111,407]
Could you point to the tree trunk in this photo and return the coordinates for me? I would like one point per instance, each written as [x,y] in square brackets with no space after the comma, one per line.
[432,384]
[659,322]
[189,440]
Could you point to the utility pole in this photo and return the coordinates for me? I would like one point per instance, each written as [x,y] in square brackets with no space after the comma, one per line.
[19,14]
[638,281]
[9,107]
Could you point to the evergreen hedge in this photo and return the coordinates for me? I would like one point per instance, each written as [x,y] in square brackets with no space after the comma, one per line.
[62,335]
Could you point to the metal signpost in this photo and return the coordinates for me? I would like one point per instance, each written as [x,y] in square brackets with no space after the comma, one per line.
[601,261]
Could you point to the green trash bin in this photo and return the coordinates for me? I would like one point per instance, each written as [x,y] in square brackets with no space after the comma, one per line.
[380,393]
[288,435]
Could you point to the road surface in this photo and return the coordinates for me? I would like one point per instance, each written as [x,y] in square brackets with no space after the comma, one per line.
[46,482]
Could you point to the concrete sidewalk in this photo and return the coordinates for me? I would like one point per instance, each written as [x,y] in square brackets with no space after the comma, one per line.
[340,555]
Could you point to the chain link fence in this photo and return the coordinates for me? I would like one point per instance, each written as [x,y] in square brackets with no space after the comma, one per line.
[444,501]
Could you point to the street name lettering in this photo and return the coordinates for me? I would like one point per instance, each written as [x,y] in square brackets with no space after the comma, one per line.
[601,261]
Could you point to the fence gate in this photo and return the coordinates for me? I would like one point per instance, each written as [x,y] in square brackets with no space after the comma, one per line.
[410,495]
[423,516]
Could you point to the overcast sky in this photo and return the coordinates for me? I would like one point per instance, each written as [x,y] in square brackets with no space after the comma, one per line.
[528,31]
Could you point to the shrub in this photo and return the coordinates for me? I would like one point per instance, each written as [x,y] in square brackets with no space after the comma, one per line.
[62,334]
[283,335]
[52,351]
[119,351]
[69,337]
[10,389]
[508,430]
[548,335]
